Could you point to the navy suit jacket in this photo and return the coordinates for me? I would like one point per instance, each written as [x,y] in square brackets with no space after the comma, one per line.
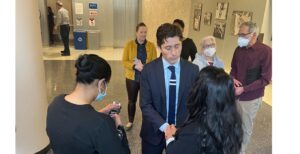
[153,97]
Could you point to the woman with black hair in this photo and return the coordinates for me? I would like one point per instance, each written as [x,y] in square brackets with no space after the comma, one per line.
[74,126]
[213,124]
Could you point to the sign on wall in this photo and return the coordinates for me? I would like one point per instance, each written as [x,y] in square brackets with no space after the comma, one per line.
[79,21]
[78,8]
[92,22]
[93,6]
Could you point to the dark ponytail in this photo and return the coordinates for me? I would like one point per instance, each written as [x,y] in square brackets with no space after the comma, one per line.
[90,67]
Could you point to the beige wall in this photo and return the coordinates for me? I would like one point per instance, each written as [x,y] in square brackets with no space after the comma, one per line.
[156,12]
[226,47]
[266,27]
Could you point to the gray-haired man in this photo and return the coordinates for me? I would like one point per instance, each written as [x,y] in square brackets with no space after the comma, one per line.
[251,69]
[63,21]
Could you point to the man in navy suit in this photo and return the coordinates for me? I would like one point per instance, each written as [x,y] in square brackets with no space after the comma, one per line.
[165,84]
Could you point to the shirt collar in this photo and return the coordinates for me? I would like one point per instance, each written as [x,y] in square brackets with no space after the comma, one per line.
[166,64]
[140,44]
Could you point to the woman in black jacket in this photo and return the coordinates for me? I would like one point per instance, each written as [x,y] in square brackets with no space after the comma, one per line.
[74,126]
[213,124]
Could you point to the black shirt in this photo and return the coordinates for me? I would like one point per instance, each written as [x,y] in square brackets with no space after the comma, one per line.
[188,49]
[80,129]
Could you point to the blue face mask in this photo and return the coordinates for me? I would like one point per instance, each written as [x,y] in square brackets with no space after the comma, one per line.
[243,42]
[101,95]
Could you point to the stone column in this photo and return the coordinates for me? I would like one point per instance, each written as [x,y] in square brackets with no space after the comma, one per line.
[31,100]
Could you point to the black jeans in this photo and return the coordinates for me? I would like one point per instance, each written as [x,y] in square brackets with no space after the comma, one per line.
[64,33]
[133,88]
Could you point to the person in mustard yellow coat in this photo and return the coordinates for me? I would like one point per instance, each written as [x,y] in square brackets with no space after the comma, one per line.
[136,54]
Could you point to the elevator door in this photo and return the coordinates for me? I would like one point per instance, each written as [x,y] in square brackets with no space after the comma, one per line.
[125,20]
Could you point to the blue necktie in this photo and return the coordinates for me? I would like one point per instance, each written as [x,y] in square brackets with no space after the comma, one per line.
[172,96]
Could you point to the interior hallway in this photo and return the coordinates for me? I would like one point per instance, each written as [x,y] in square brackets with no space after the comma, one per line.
[60,78]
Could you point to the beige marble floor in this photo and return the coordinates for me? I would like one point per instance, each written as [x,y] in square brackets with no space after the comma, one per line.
[109,53]
[60,77]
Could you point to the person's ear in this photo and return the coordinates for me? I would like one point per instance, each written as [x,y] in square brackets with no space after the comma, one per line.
[101,82]
[254,36]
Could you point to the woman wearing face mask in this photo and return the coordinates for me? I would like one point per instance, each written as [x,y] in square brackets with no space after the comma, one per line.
[136,54]
[207,55]
[74,126]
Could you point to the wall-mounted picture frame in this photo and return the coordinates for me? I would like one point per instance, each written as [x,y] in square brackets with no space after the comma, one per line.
[219,29]
[197,17]
[207,18]
[238,17]
[222,10]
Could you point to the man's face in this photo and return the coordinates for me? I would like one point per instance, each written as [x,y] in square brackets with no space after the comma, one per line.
[171,49]
[141,33]
[244,32]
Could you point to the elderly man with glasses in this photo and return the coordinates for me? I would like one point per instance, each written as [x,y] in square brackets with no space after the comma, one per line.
[251,70]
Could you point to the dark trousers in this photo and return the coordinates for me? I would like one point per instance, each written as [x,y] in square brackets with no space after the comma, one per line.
[148,148]
[51,36]
[64,33]
[133,88]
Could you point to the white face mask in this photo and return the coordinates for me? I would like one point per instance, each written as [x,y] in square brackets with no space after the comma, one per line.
[243,42]
[209,51]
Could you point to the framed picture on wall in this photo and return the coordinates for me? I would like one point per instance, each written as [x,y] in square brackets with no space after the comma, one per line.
[197,17]
[238,17]
[207,18]
[219,29]
[222,9]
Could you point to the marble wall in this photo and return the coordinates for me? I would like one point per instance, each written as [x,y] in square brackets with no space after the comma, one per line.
[156,12]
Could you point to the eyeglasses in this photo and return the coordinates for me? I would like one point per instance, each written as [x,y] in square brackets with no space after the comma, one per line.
[243,35]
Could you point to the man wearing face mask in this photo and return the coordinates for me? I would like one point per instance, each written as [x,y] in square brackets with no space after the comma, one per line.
[251,70]
[74,126]
[207,55]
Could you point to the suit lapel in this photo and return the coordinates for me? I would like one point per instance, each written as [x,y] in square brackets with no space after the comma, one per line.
[161,79]
[183,75]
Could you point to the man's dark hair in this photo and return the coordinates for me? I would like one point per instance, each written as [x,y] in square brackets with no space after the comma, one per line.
[91,67]
[141,24]
[165,31]
[180,22]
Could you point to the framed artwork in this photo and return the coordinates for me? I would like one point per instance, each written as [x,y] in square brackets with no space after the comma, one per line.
[197,17]
[238,17]
[207,18]
[219,29]
[222,9]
